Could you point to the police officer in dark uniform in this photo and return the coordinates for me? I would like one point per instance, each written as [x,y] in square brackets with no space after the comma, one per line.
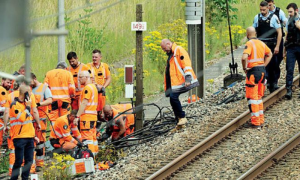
[283,21]
[269,31]
[292,46]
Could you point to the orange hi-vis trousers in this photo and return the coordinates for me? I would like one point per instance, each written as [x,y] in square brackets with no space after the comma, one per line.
[255,88]
[58,108]
[40,147]
[12,157]
[88,134]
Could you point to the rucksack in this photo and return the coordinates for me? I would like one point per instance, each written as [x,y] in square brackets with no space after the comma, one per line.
[82,152]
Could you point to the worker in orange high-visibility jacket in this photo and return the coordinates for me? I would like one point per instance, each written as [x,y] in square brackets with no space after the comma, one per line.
[22,131]
[4,107]
[129,123]
[101,76]
[43,98]
[179,77]
[75,68]
[88,112]
[255,58]
[65,134]
[61,84]
[116,124]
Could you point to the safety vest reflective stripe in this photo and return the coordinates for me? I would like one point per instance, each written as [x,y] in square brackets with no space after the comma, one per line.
[71,86]
[74,129]
[1,124]
[255,59]
[58,134]
[40,157]
[90,112]
[96,143]
[88,142]
[255,101]
[187,68]
[78,137]
[2,102]
[41,93]
[40,146]
[20,123]
[11,166]
[261,112]
[92,104]
[66,135]
[73,140]
[59,88]
[255,114]
[12,151]
[60,96]
[176,62]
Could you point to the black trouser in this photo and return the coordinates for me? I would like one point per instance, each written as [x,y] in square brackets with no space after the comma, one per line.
[272,67]
[279,60]
[24,148]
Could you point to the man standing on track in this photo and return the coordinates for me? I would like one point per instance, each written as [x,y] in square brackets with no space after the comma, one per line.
[255,58]
[292,46]
[179,77]
[269,31]
[283,21]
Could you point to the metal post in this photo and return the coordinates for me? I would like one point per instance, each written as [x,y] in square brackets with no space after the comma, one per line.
[61,38]
[195,18]
[139,70]
[27,37]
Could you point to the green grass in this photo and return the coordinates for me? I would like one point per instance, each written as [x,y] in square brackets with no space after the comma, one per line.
[117,40]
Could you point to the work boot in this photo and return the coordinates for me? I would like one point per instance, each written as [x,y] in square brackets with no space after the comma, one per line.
[288,94]
[181,121]
[271,88]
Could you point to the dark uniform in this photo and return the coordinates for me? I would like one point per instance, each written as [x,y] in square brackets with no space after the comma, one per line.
[292,46]
[266,28]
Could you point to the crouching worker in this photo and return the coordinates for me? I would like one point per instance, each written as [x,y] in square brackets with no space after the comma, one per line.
[117,125]
[61,138]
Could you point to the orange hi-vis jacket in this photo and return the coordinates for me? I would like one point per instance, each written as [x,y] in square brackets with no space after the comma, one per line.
[129,124]
[180,67]
[90,93]
[13,95]
[3,106]
[21,120]
[39,97]
[256,50]
[61,84]
[62,131]
[75,72]
[100,74]
[114,127]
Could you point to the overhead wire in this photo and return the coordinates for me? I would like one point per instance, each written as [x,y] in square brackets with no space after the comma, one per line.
[68,11]
[70,22]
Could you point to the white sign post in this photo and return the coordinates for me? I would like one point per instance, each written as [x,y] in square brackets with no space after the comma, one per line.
[138,26]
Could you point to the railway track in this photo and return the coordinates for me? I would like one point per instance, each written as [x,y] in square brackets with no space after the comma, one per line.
[222,149]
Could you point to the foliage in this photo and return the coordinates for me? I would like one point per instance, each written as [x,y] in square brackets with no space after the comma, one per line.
[176,31]
[216,10]
[117,86]
[109,153]
[237,34]
[4,162]
[90,37]
[58,168]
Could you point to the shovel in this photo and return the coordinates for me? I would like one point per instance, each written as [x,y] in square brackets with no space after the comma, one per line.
[234,76]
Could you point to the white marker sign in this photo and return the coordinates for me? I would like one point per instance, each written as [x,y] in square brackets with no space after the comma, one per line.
[138,26]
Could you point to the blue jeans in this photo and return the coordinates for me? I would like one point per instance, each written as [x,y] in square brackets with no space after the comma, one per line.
[24,149]
[293,54]
[176,105]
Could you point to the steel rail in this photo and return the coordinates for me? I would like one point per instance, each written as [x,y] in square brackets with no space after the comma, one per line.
[272,158]
[208,142]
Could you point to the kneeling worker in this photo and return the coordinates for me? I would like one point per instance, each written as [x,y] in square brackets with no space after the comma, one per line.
[116,128]
[61,138]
